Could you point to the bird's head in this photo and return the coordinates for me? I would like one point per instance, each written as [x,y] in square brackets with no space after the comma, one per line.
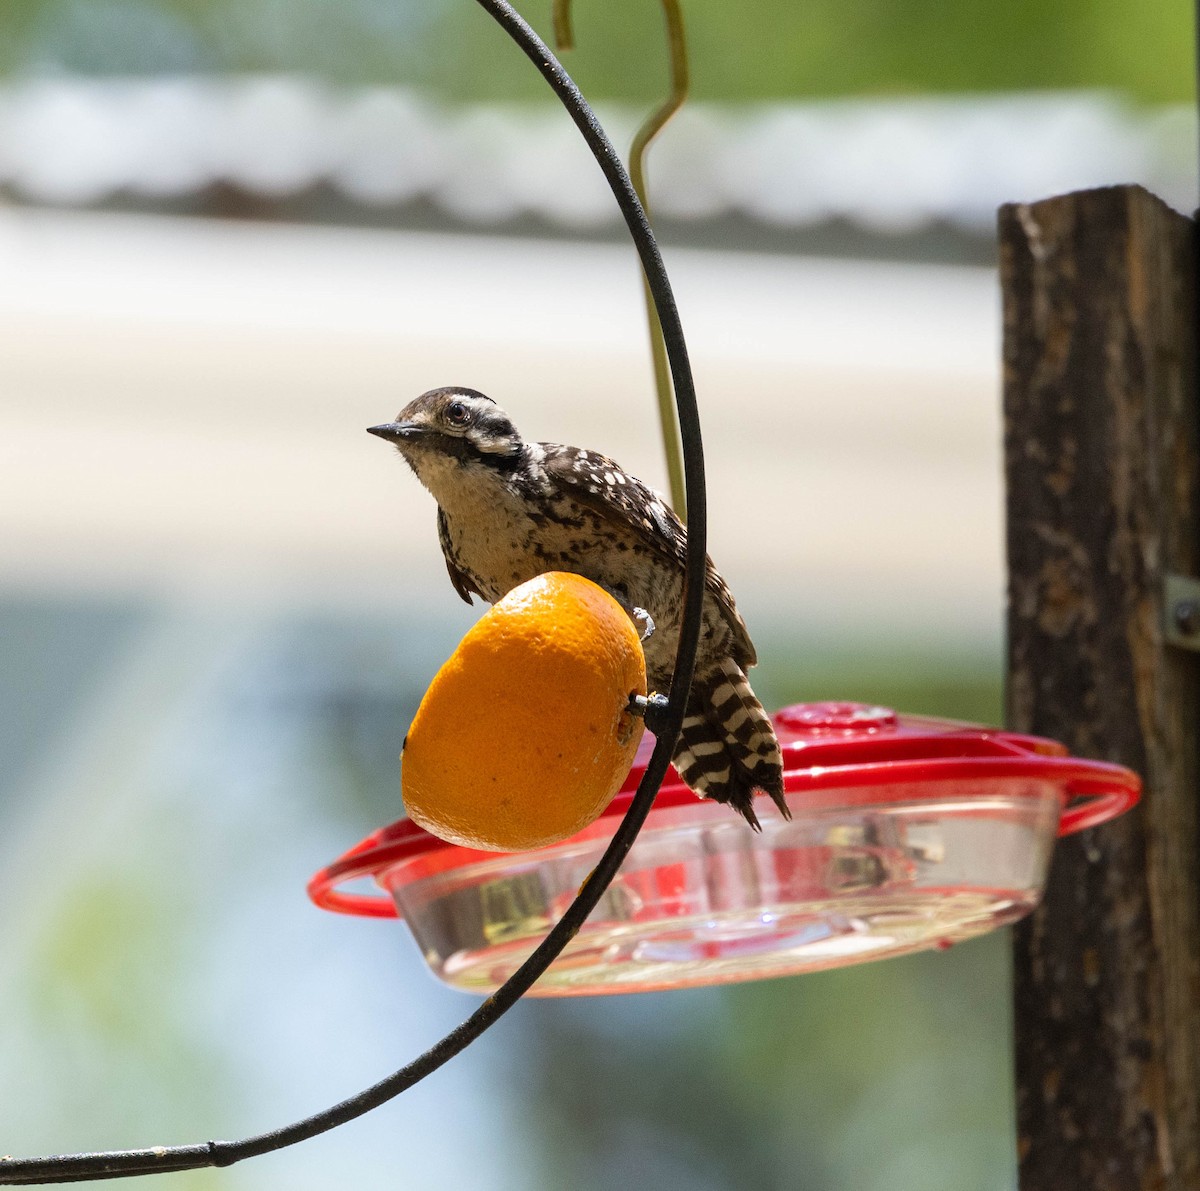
[452,425]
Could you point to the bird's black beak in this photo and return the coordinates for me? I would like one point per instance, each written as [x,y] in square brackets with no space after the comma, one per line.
[397,432]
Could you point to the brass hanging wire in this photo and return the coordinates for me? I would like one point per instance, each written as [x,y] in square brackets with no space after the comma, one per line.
[564,38]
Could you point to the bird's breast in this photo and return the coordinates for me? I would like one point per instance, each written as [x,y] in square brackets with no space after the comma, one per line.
[506,539]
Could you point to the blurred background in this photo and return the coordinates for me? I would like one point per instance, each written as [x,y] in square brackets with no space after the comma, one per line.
[232,235]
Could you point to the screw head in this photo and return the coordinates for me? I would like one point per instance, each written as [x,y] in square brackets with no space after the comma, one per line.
[1187,617]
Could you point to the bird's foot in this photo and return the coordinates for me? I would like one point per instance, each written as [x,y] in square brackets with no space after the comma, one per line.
[645,622]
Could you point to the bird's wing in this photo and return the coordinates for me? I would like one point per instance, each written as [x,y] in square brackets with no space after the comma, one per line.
[744,652]
[463,583]
[599,484]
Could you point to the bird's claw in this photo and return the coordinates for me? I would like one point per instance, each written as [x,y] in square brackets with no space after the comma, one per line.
[646,621]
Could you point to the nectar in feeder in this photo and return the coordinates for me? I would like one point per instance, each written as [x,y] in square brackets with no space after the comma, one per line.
[907,833]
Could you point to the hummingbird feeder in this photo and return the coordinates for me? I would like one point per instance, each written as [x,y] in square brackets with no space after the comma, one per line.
[907,833]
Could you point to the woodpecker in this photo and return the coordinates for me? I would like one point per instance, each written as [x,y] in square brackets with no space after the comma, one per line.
[509,510]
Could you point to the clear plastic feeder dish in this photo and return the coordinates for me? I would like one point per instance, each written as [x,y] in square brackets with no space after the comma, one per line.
[907,833]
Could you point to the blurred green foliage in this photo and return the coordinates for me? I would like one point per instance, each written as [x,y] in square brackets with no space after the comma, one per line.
[958,683]
[893,1076]
[751,50]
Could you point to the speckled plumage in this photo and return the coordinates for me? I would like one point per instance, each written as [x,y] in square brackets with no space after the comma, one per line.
[509,510]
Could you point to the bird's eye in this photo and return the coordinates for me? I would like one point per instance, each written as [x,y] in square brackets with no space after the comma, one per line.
[457,414]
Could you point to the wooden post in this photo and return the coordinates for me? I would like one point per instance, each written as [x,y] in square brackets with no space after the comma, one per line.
[1102,455]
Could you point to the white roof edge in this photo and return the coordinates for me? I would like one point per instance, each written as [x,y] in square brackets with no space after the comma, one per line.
[884,164]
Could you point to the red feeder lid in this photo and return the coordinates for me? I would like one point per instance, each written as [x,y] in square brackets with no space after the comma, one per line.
[834,754]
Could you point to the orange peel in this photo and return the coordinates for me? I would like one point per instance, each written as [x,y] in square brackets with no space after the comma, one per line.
[525,734]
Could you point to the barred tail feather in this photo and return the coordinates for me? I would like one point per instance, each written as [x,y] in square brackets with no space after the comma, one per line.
[749,731]
[727,747]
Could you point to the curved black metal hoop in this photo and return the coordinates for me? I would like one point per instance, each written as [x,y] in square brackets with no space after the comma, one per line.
[71,1168]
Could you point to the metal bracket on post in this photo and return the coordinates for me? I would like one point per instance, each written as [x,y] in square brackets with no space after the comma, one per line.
[1181,612]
